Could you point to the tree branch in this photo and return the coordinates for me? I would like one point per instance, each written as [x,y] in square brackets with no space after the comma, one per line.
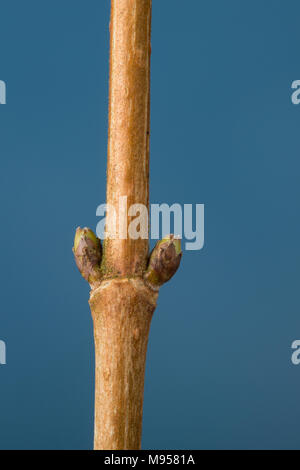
[124,279]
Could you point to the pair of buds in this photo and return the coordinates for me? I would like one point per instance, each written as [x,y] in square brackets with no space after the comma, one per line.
[163,261]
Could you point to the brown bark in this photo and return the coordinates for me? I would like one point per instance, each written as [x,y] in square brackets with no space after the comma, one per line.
[122,311]
[124,282]
[129,127]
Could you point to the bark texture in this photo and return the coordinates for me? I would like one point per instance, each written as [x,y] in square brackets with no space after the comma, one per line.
[122,309]
[121,329]
[129,128]
[124,284]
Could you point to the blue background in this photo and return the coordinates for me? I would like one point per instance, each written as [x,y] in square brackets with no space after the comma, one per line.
[219,371]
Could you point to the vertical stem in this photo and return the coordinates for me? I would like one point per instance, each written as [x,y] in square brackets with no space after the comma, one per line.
[128,139]
[124,285]
[122,306]
[122,310]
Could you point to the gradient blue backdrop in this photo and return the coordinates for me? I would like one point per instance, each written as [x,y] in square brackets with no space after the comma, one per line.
[219,373]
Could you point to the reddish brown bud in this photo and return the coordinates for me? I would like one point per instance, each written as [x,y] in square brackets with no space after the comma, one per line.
[164,261]
[88,251]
